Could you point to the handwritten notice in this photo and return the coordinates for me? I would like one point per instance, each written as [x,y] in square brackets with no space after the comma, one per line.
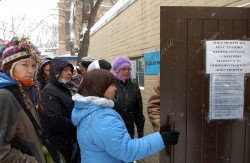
[227,56]
[226,96]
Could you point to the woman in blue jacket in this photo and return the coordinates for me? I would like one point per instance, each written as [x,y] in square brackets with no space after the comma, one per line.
[101,132]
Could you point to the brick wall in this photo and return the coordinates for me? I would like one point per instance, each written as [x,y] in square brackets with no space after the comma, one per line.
[137,30]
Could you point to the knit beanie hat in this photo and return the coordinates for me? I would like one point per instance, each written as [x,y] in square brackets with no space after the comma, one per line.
[41,78]
[16,50]
[86,61]
[44,62]
[100,64]
[118,64]
[96,82]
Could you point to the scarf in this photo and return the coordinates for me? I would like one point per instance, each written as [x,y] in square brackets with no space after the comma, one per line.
[71,86]
[26,82]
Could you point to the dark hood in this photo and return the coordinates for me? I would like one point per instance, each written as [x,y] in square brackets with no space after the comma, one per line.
[56,66]
[44,62]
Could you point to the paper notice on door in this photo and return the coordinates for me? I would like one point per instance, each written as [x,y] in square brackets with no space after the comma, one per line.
[226,96]
[227,56]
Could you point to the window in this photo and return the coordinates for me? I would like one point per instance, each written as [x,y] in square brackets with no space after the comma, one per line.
[67,44]
[67,15]
[138,67]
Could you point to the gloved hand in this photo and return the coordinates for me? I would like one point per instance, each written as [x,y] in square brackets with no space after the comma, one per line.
[170,138]
[140,134]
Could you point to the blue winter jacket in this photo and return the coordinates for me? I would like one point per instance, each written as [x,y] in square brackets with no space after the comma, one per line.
[6,81]
[102,134]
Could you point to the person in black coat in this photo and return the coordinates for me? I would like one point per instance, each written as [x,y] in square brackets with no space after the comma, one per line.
[128,100]
[76,77]
[100,64]
[56,116]
[85,62]
[43,73]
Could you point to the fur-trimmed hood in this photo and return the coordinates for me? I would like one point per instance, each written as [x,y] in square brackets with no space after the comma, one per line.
[85,106]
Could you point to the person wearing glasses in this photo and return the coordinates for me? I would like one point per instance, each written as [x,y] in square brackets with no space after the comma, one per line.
[128,100]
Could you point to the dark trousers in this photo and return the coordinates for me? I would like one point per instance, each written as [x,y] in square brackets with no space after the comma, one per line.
[68,155]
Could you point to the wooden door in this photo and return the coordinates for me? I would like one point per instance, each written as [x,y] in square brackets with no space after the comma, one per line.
[185,85]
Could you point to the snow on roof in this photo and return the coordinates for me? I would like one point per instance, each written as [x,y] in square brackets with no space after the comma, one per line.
[112,13]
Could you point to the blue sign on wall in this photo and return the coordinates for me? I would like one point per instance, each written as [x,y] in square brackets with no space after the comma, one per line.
[152,63]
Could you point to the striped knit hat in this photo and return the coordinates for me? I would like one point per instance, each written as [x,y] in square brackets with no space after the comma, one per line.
[16,50]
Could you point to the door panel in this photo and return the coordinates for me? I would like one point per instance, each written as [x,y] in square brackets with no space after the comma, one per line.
[176,83]
[185,85]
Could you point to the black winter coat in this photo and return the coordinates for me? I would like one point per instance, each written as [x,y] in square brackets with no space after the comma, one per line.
[56,116]
[128,103]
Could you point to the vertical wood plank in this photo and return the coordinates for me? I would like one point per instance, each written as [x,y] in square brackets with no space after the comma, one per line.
[238,127]
[173,82]
[209,130]
[224,126]
[247,110]
[194,91]
[165,81]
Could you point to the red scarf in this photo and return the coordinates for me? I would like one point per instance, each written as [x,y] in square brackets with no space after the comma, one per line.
[26,82]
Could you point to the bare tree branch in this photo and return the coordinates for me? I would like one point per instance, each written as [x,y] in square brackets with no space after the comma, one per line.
[21,26]
[41,22]
[84,14]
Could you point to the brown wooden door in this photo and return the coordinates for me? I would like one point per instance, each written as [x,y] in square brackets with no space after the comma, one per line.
[185,85]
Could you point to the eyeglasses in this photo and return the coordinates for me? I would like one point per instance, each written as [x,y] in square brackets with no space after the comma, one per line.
[128,69]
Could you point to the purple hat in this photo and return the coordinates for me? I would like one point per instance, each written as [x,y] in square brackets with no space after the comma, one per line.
[118,64]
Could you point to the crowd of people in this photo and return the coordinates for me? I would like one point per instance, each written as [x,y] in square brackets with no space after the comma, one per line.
[51,112]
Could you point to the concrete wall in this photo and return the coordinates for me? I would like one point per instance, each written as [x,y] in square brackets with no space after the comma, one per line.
[137,30]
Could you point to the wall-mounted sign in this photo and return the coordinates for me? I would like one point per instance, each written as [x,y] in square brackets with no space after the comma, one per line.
[152,63]
[226,96]
[227,56]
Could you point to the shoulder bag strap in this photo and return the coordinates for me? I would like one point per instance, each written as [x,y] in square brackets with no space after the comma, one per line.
[32,119]
[56,157]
